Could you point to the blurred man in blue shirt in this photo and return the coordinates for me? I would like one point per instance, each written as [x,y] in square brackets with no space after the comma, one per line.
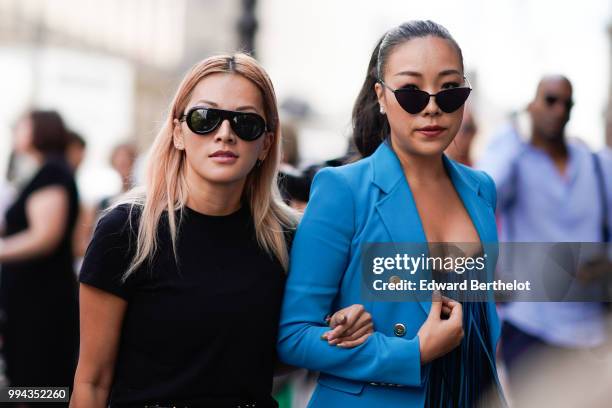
[548,191]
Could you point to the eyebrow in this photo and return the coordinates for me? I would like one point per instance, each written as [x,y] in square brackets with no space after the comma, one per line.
[446,72]
[246,107]
[206,102]
[215,105]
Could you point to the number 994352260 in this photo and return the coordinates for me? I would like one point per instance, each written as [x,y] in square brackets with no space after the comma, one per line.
[34,394]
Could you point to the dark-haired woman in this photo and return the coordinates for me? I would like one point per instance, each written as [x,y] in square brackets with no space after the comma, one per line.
[405,190]
[38,288]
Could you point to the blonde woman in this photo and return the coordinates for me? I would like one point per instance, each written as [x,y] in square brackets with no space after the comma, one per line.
[181,286]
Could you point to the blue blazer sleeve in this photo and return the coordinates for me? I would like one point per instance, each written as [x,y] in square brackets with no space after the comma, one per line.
[319,258]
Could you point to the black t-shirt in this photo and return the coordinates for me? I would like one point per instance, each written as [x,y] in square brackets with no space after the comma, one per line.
[202,333]
[53,173]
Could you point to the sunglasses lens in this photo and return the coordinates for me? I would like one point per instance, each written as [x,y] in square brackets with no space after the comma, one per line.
[551,100]
[248,126]
[412,100]
[203,120]
[449,100]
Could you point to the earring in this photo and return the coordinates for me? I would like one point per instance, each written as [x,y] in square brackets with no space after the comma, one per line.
[258,163]
[382,110]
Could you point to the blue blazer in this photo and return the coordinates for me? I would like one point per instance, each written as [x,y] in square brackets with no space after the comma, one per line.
[366,201]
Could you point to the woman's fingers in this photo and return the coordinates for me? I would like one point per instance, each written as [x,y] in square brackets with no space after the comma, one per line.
[456,311]
[334,334]
[344,319]
[448,301]
[364,320]
[354,343]
[369,328]
[346,322]
[337,319]
[362,326]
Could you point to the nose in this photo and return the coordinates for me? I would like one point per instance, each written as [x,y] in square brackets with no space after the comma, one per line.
[432,107]
[561,110]
[225,133]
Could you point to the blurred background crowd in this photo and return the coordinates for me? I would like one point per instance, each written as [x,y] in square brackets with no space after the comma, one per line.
[98,76]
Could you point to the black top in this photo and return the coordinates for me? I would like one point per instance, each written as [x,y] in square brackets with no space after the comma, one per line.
[465,376]
[53,173]
[39,294]
[202,334]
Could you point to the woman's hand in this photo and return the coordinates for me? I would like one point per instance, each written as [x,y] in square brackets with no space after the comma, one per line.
[351,327]
[443,329]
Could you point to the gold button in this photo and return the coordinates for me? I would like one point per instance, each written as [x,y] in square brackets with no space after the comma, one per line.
[395,279]
[399,329]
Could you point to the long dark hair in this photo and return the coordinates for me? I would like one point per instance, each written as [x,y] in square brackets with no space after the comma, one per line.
[370,127]
[49,134]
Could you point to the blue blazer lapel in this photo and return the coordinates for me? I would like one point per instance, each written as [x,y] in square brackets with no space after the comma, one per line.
[475,204]
[469,190]
[397,208]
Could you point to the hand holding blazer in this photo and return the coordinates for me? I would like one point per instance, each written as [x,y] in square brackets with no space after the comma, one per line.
[366,201]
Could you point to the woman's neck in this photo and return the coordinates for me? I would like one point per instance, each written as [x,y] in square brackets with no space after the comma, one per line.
[420,169]
[555,147]
[213,198]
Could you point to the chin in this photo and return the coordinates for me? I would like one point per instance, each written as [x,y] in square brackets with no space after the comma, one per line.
[431,148]
[223,176]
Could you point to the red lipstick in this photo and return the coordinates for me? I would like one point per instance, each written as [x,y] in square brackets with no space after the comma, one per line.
[224,156]
[431,131]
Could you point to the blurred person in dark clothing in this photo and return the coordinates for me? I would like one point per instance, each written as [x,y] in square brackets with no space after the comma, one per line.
[122,159]
[75,150]
[7,191]
[290,145]
[293,183]
[296,184]
[38,286]
[75,154]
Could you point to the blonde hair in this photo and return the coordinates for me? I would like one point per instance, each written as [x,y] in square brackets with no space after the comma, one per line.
[166,188]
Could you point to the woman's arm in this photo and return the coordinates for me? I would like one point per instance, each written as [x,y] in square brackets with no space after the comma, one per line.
[500,162]
[320,256]
[101,319]
[46,211]
[350,327]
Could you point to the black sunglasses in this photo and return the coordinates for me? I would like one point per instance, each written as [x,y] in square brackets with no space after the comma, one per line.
[552,100]
[247,125]
[414,100]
